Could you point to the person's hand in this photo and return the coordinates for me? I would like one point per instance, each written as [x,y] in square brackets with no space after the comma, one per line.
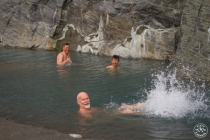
[68,61]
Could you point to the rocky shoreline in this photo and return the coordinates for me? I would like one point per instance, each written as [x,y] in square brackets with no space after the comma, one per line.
[10,130]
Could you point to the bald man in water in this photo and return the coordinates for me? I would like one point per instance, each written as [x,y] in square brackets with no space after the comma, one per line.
[83,100]
[86,111]
[63,57]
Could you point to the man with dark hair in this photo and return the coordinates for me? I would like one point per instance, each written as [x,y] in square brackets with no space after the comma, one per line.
[63,57]
[115,62]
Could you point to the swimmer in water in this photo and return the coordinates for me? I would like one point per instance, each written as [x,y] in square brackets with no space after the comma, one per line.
[63,57]
[134,109]
[115,63]
[85,109]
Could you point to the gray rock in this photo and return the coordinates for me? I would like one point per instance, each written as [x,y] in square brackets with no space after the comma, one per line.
[144,42]
[11,130]
[119,16]
[194,51]
[42,22]
[28,23]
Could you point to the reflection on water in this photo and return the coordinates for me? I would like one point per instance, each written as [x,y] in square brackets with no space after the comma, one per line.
[35,91]
[62,72]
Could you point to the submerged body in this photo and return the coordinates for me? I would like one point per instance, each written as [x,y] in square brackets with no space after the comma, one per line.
[87,112]
[114,64]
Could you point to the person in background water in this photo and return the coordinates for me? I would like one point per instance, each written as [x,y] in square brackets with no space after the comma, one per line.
[115,63]
[63,57]
[85,110]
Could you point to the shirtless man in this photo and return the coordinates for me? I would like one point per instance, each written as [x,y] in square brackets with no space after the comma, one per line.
[85,109]
[115,63]
[63,57]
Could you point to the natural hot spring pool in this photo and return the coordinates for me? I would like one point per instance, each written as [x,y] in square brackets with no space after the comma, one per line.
[34,91]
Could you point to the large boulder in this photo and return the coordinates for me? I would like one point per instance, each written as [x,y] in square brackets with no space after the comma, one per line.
[29,24]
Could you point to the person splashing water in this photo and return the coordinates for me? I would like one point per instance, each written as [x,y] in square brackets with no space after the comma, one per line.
[169,99]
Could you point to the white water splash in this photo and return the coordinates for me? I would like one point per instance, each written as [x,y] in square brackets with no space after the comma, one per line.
[169,99]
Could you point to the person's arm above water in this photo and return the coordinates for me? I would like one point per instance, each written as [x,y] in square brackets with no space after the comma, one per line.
[68,58]
[133,109]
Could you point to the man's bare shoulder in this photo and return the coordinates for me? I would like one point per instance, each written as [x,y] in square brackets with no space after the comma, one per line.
[60,54]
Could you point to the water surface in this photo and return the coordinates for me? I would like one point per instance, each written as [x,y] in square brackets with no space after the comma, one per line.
[35,91]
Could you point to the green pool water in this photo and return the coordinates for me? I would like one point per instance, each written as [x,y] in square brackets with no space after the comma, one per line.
[33,90]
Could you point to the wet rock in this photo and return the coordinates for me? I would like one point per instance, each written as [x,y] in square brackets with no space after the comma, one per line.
[147,42]
[144,42]
[194,51]
[118,18]
[46,24]
[28,23]
[11,130]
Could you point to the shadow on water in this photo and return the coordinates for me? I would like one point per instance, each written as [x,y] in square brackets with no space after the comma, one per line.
[34,91]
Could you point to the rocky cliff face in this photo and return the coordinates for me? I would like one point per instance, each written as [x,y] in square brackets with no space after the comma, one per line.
[129,28]
[194,51]
[29,24]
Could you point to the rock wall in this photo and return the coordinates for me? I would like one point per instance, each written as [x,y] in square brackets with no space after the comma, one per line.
[49,23]
[108,27]
[144,42]
[193,54]
[29,23]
